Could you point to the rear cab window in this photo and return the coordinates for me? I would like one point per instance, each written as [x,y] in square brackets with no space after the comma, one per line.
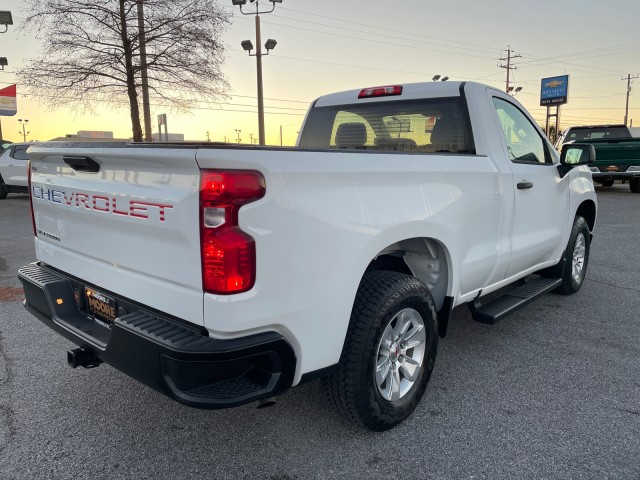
[433,125]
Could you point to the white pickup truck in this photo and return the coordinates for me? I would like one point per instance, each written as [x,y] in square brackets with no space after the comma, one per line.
[221,275]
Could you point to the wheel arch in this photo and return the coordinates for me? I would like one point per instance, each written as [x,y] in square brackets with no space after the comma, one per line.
[587,210]
[425,258]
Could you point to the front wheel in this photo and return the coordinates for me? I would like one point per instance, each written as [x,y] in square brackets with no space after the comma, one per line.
[575,258]
[389,351]
[606,183]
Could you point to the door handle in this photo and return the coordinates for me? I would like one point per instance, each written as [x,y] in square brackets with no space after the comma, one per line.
[524,185]
[82,164]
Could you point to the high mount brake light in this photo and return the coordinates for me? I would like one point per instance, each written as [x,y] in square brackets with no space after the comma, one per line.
[228,253]
[380,91]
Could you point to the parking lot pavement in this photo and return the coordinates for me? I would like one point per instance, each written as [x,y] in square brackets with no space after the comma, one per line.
[551,392]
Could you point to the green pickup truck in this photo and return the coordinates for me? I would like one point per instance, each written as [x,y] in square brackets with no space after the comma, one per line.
[616,159]
[617,152]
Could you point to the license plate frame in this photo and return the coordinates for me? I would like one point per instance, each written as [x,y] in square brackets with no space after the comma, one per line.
[103,307]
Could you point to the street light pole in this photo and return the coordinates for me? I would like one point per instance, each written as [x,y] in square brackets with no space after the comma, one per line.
[24,132]
[260,90]
[248,46]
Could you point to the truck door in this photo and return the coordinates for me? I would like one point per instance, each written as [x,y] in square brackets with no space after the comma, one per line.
[541,198]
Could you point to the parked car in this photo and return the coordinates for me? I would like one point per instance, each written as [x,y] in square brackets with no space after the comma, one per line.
[4,144]
[13,169]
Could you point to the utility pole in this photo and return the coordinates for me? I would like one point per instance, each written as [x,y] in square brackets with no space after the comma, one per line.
[630,77]
[251,138]
[208,137]
[238,131]
[146,109]
[508,66]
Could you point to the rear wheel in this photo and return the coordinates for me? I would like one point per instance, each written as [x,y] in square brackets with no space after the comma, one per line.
[634,185]
[389,351]
[606,183]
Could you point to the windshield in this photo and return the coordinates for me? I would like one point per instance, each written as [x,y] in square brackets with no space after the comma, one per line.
[435,125]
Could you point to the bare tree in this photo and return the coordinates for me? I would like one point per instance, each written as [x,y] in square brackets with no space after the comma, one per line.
[92,53]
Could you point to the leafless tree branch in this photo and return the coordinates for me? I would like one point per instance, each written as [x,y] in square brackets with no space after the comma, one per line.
[92,53]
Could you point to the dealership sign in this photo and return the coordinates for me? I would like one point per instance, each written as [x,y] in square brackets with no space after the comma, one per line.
[8,104]
[554,90]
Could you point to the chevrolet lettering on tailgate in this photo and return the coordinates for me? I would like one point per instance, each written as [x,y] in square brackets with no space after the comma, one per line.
[103,203]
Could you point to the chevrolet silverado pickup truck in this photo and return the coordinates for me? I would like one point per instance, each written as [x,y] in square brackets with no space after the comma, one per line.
[221,275]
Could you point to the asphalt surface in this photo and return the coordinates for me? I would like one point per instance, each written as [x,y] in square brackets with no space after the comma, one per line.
[553,391]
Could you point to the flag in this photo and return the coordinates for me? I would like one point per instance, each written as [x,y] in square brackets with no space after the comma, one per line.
[8,103]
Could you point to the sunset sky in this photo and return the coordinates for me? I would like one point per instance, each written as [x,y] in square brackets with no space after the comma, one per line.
[332,45]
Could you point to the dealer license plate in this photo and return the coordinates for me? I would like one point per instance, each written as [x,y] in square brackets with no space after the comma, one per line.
[101,306]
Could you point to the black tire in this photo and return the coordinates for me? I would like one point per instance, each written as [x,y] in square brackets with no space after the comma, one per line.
[384,300]
[606,183]
[568,267]
[3,190]
[634,185]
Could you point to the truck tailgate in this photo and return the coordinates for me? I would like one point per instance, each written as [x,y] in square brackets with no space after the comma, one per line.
[131,228]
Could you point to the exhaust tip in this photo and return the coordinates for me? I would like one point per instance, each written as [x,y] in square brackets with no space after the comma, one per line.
[266,402]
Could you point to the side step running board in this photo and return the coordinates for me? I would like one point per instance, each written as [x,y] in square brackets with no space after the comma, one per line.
[513,300]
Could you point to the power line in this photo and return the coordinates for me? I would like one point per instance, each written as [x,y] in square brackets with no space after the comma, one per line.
[351,37]
[378,34]
[378,27]
[538,60]
[122,102]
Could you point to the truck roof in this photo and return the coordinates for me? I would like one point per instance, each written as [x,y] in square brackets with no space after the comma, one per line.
[410,91]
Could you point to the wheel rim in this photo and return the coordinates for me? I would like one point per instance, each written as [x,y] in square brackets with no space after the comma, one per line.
[579,251]
[400,354]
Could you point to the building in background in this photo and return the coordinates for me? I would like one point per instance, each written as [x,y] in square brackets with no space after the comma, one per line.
[89,136]
[173,137]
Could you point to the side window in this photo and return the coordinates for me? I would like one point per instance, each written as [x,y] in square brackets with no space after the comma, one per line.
[523,140]
[20,153]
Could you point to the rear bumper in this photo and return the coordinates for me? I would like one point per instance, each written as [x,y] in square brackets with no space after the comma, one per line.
[615,175]
[176,359]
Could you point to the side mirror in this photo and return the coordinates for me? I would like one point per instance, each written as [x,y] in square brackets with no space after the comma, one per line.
[574,154]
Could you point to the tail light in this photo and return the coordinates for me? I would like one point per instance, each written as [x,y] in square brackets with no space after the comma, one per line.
[228,253]
[33,217]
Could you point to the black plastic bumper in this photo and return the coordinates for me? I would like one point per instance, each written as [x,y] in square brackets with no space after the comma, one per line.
[615,175]
[175,359]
